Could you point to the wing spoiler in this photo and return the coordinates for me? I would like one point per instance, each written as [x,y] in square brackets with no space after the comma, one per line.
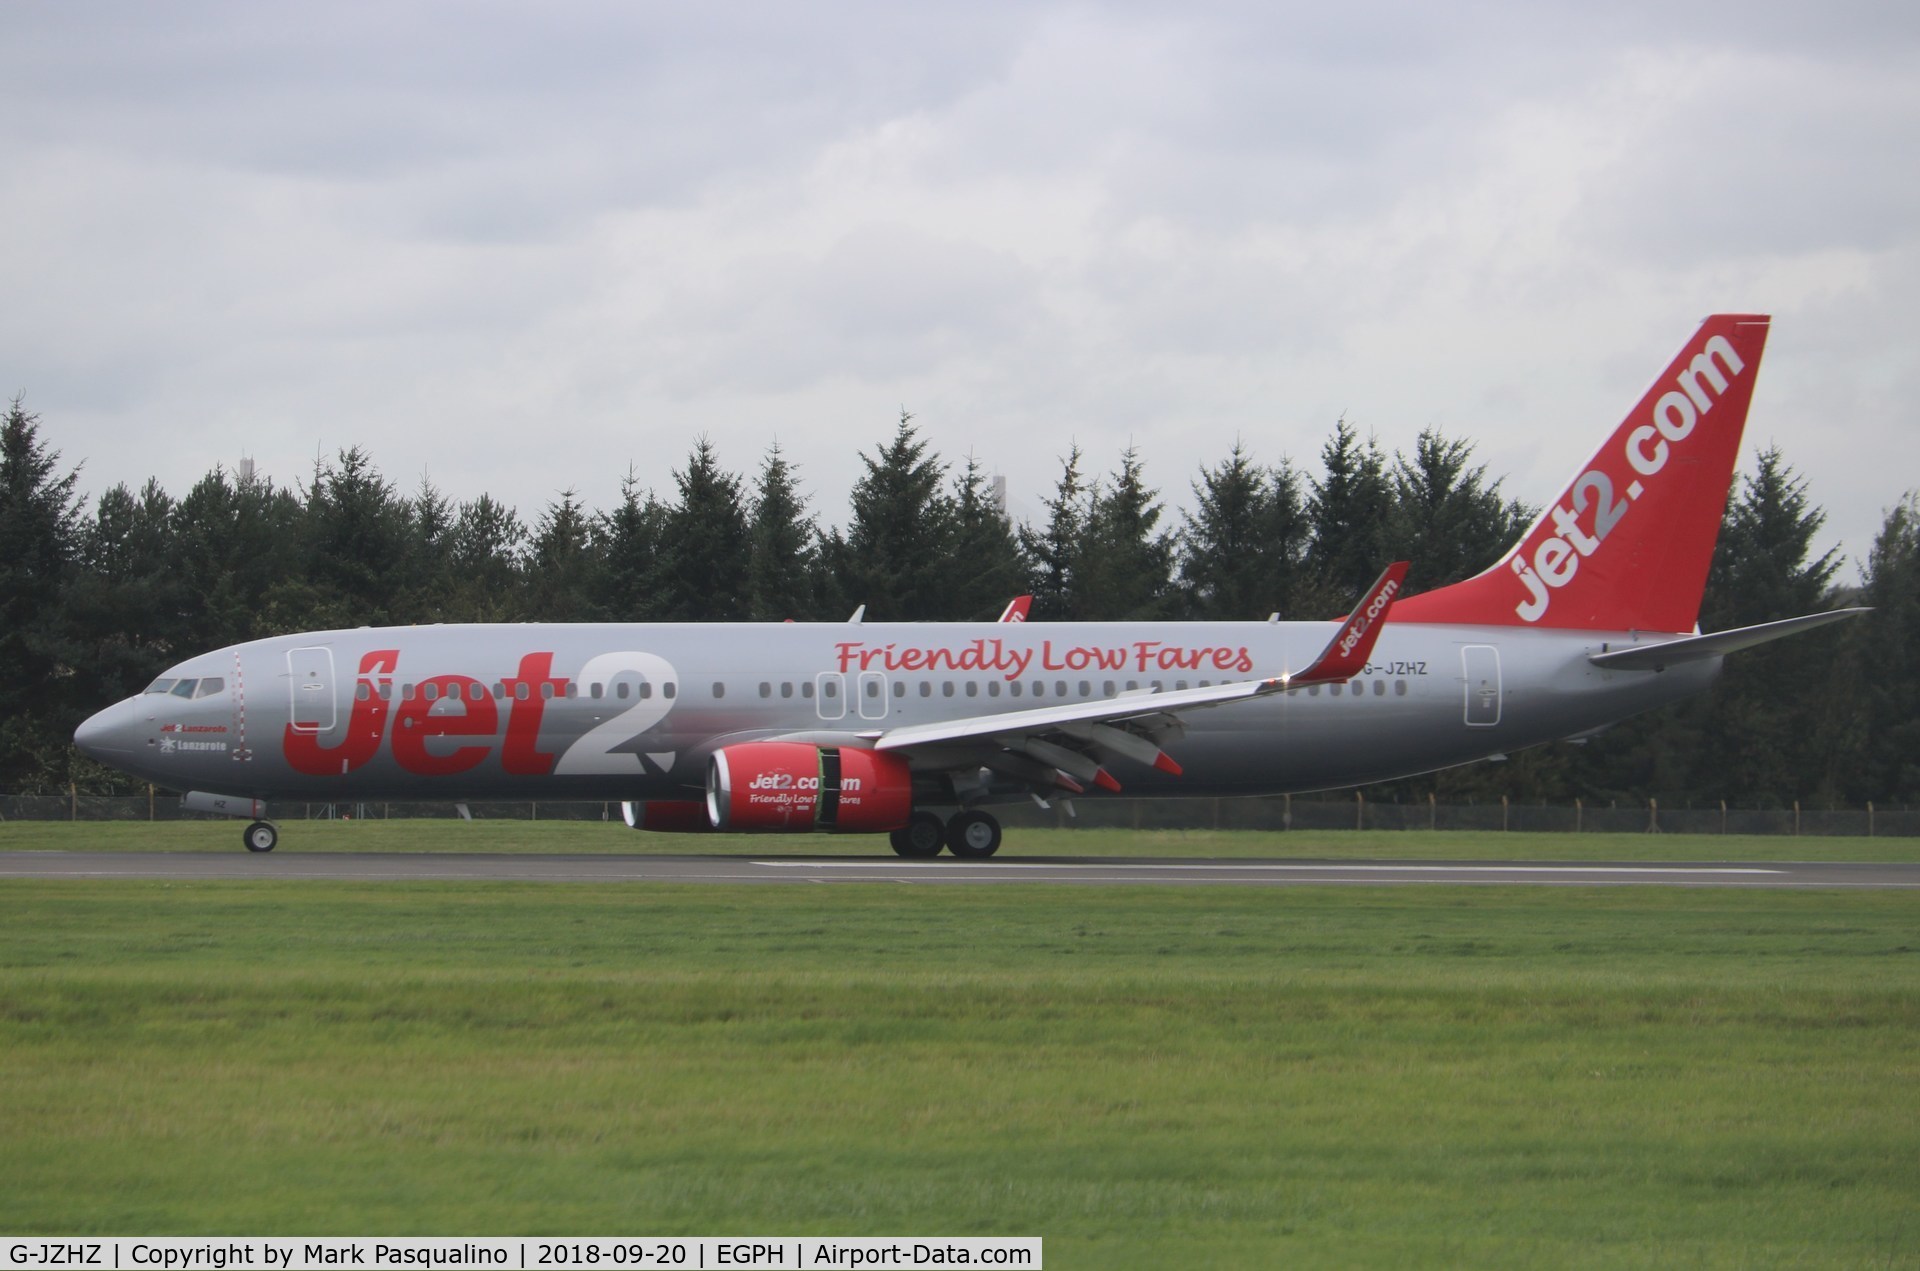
[1658,657]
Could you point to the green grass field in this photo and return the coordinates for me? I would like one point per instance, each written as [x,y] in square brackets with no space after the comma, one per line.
[1145,1077]
[599,838]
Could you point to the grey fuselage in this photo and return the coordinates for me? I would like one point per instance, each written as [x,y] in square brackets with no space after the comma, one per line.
[632,711]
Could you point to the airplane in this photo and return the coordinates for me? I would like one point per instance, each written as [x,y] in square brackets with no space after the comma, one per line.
[918,730]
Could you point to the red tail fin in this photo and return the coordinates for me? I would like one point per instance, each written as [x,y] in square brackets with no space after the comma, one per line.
[1626,546]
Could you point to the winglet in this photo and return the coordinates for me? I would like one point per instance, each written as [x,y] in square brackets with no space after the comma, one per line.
[1017,609]
[1352,644]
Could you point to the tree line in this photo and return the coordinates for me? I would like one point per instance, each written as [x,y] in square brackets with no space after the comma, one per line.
[96,599]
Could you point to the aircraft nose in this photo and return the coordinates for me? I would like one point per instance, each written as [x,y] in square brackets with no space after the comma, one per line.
[104,734]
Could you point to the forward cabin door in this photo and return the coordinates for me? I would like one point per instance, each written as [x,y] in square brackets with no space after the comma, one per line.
[310,681]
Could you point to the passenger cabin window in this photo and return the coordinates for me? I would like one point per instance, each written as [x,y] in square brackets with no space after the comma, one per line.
[719,689]
[667,690]
[621,689]
[766,688]
[806,689]
[596,690]
[786,688]
[362,691]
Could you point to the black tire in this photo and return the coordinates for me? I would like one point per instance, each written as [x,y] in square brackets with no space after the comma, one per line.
[973,835]
[261,837]
[922,836]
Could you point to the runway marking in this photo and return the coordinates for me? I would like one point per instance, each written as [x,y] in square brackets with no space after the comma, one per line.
[1358,868]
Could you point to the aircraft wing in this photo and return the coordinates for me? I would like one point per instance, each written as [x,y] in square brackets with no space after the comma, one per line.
[1658,657]
[1059,747]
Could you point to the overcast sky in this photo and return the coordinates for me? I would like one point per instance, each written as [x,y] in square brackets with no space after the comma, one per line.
[522,248]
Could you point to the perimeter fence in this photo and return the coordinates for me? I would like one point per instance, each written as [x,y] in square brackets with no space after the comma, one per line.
[1355,812]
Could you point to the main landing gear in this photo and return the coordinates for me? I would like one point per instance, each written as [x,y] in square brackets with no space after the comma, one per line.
[972,835]
[261,836]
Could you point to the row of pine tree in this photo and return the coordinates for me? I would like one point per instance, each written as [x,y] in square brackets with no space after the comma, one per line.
[96,600]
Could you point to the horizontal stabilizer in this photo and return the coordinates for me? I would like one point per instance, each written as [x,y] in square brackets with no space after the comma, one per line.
[1658,657]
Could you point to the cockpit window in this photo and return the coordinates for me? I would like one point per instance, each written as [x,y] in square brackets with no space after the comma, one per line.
[184,688]
[162,685]
[209,686]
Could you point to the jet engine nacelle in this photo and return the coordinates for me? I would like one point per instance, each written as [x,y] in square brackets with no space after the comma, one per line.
[792,787]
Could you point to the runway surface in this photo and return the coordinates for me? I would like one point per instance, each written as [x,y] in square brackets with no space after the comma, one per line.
[1081,871]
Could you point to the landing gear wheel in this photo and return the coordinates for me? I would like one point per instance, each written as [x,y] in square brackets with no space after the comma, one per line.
[973,835]
[923,835]
[261,837]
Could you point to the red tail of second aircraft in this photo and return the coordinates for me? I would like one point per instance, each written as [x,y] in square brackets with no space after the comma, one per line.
[1627,545]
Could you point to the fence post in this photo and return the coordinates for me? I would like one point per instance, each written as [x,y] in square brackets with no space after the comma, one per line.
[1286,815]
[1433,812]
[1796,818]
[73,801]
[149,801]
[1576,815]
[1503,814]
[1359,810]
[1723,816]
[1653,815]
[1869,818]
[536,811]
